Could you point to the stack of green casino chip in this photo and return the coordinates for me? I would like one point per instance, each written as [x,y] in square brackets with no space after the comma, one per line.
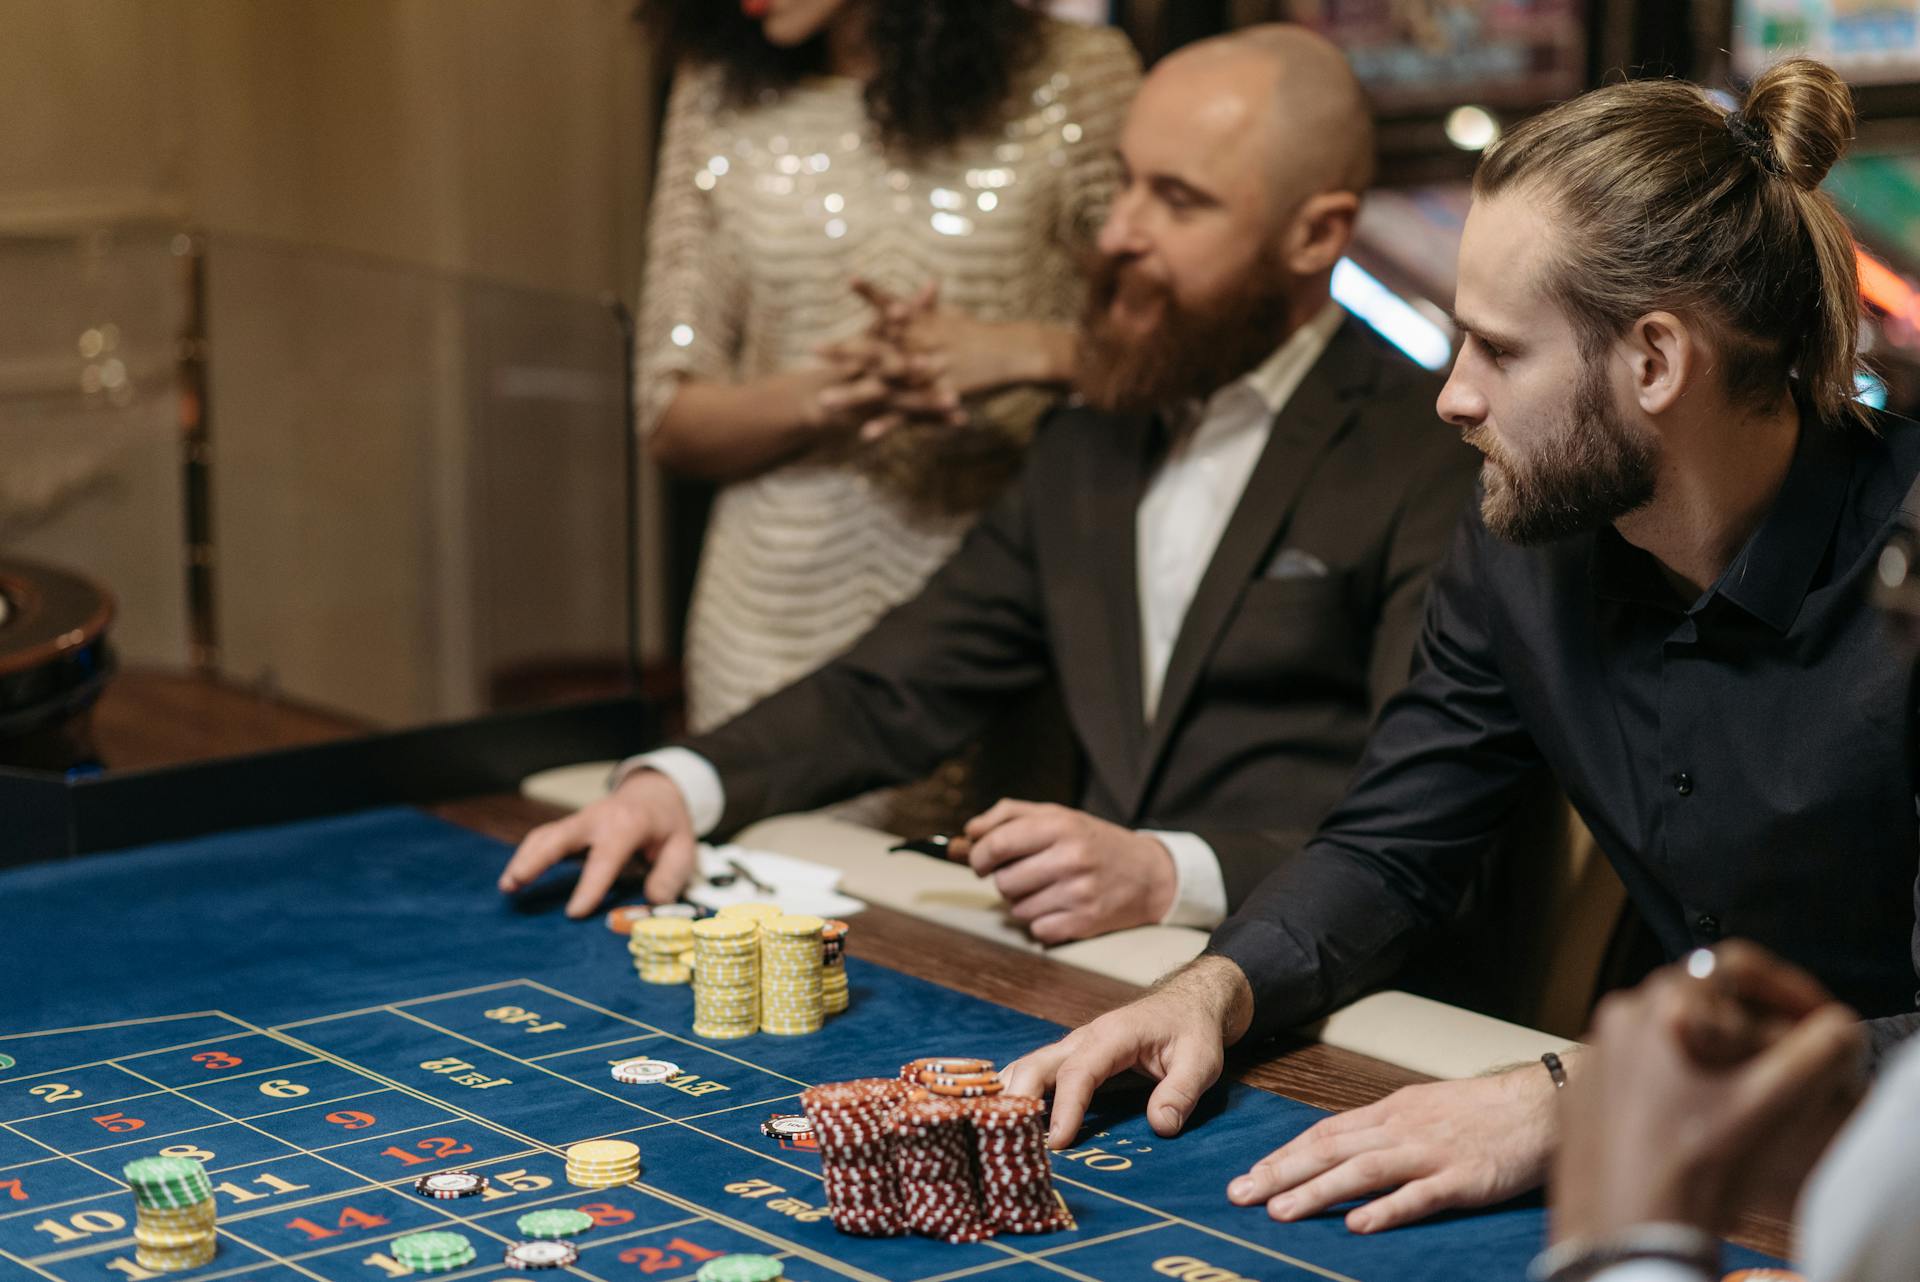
[656,945]
[436,1252]
[174,1213]
[726,977]
[790,971]
[741,1266]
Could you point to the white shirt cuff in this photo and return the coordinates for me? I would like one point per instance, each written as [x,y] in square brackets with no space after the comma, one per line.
[1199,891]
[698,782]
[1650,1271]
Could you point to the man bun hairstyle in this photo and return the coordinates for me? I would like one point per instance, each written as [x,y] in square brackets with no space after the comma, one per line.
[1666,201]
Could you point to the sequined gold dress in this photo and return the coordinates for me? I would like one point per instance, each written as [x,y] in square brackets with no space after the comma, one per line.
[762,215]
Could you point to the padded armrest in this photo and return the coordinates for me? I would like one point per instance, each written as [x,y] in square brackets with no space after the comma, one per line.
[1412,1032]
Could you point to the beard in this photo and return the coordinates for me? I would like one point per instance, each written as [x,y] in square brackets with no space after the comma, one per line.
[1591,471]
[1189,353]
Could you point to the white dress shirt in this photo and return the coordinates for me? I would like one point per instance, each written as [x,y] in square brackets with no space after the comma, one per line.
[1177,526]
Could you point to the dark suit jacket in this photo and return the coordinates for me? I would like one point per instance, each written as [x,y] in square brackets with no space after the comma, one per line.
[1272,683]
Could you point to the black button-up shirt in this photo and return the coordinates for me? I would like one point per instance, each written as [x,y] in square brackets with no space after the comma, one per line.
[1744,762]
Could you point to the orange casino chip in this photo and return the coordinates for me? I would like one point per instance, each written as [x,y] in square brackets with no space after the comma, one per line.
[620,920]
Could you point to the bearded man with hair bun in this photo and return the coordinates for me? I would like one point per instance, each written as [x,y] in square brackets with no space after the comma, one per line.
[1660,598]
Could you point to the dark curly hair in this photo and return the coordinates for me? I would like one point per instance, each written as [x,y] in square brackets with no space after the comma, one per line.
[946,66]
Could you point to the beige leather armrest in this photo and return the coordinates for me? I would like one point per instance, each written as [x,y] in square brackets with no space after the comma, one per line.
[1413,1032]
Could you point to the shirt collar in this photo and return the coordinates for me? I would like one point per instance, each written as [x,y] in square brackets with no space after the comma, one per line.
[1274,380]
[1770,576]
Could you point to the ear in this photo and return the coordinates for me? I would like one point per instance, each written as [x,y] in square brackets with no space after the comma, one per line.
[1664,355]
[1320,232]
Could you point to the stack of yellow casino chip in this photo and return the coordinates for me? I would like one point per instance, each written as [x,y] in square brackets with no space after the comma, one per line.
[174,1213]
[656,944]
[834,993]
[791,954]
[602,1164]
[726,977]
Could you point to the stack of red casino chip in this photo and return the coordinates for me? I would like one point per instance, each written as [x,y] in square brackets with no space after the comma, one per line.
[1016,1176]
[933,1157]
[853,1125]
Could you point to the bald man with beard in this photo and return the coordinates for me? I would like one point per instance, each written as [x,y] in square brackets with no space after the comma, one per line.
[1220,557]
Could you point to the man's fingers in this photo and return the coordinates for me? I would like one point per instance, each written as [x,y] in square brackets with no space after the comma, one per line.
[1822,1050]
[1062,926]
[1412,1201]
[1000,812]
[1074,1083]
[672,868]
[609,855]
[1029,885]
[1032,1073]
[1016,839]
[1191,1069]
[1365,1172]
[544,847]
[1093,1061]
[875,428]
[1759,978]
[1313,1152]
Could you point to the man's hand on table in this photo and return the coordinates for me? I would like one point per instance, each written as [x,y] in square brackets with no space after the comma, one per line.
[1436,1146]
[1712,1087]
[1176,1034]
[1067,875]
[645,815]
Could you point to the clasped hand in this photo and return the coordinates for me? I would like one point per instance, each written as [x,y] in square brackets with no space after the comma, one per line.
[915,363]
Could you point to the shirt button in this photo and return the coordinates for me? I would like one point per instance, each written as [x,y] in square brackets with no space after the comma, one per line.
[1683,784]
[1708,924]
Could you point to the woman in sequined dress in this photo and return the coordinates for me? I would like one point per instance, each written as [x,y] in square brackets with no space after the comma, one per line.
[952,157]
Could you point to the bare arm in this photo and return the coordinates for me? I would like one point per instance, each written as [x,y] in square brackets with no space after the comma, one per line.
[722,431]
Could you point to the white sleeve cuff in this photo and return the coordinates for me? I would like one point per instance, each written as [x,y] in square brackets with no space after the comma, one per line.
[1650,1271]
[698,782]
[1199,891]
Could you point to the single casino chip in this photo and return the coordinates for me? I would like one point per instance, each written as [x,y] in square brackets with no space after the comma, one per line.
[992,1087]
[1763,1275]
[448,1185]
[741,1267]
[620,920]
[644,1072]
[686,912]
[553,1223]
[787,1126]
[540,1255]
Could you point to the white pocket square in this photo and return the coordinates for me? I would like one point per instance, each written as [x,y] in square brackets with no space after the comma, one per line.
[1292,563]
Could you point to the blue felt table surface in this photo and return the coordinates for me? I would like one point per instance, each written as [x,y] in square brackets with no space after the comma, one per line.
[259,993]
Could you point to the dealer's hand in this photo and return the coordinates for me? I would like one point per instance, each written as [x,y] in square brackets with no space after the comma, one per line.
[1435,1146]
[1175,1034]
[645,815]
[1067,875]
